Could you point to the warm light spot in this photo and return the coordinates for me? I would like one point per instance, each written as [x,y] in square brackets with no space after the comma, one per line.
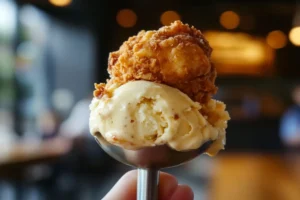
[295,36]
[240,53]
[229,20]
[60,3]
[126,18]
[168,17]
[276,39]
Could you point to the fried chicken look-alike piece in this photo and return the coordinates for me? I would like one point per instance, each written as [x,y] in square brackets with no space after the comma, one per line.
[159,93]
[177,55]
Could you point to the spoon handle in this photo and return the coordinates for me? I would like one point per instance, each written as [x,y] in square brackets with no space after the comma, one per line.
[147,184]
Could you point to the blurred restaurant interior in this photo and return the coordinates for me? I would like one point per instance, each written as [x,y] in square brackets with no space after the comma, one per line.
[52,51]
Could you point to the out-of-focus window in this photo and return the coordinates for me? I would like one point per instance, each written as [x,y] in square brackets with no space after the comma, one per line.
[7,34]
[31,79]
[54,70]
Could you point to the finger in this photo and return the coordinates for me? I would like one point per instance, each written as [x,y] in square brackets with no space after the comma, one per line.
[167,186]
[125,188]
[183,192]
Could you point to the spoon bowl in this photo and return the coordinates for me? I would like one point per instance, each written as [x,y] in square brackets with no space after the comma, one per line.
[149,161]
[156,157]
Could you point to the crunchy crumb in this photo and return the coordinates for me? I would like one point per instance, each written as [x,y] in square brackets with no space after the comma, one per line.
[114,138]
[176,116]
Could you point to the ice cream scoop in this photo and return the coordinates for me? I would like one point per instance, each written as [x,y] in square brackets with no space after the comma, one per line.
[156,109]
[144,114]
[153,126]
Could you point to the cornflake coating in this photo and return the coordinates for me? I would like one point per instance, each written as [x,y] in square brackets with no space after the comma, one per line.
[177,55]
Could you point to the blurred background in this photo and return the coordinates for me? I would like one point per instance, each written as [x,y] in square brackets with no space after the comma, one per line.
[52,51]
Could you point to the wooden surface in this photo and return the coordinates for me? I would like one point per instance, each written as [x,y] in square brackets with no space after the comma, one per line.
[19,155]
[23,152]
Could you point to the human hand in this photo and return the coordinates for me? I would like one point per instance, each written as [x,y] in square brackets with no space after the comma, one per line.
[168,189]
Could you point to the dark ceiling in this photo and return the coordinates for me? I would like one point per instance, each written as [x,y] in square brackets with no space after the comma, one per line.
[100,16]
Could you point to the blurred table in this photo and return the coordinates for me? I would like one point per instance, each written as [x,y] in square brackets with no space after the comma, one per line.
[254,176]
[22,154]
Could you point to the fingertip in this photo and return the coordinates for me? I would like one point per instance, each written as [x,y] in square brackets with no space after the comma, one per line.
[168,188]
[183,192]
[125,187]
[132,174]
[167,185]
[165,177]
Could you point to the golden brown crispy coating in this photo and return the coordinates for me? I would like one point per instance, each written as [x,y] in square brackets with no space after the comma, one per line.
[177,55]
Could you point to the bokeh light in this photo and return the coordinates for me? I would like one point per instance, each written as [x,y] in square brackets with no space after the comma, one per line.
[63,100]
[126,18]
[168,17]
[229,20]
[60,3]
[276,39]
[294,36]
[240,53]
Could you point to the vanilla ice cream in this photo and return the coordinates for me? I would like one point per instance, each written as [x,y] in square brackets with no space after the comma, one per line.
[142,113]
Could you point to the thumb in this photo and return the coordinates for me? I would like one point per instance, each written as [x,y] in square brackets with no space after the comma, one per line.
[168,188]
[125,188]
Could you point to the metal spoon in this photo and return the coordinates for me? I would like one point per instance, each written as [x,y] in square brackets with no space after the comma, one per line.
[149,161]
